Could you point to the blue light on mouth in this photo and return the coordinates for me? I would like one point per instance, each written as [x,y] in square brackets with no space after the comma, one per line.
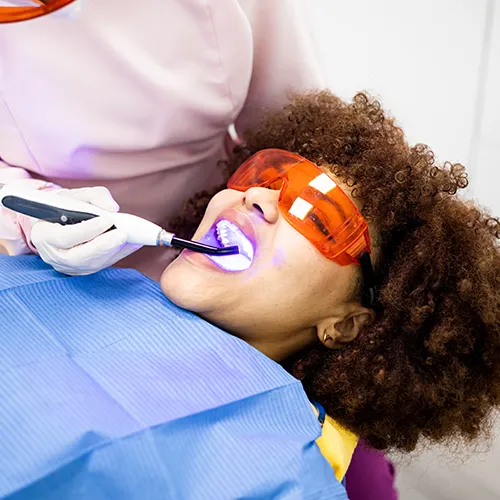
[232,235]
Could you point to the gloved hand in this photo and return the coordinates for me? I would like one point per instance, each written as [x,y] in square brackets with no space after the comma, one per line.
[86,247]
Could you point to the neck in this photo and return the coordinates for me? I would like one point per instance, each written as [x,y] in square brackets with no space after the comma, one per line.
[285,348]
[273,351]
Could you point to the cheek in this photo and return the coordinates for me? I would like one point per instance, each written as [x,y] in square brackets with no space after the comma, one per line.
[295,268]
[294,251]
[304,275]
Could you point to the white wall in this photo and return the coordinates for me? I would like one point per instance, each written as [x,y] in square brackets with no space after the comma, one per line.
[436,65]
[424,60]
[487,187]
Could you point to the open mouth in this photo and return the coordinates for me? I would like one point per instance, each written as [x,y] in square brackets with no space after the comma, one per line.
[225,233]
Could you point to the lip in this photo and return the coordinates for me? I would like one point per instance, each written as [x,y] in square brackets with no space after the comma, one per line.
[237,217]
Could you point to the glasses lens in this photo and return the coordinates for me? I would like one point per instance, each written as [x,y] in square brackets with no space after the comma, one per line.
[324,214]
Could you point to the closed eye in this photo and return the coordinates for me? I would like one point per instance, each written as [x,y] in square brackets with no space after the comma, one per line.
[276,185]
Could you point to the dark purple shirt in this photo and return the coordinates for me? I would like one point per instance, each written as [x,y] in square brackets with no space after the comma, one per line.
[370,476]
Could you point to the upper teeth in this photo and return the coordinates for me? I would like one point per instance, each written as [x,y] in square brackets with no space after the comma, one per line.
[224,228]
[228,233]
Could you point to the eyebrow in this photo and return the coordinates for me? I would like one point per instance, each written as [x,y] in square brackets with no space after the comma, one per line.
[324,197]
[320,225]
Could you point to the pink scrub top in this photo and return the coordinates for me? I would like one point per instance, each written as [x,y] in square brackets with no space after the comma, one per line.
[137,96]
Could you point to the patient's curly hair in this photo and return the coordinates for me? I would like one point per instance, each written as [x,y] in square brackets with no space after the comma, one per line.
[429,366]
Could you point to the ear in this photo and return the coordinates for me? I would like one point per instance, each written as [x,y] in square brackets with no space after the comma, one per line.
[334,333]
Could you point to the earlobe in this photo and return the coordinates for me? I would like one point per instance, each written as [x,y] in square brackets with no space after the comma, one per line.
[327,338]
[328,334]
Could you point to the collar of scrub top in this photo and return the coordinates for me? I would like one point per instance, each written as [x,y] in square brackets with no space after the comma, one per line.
[13,11]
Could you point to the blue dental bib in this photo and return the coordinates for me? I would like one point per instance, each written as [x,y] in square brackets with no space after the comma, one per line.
[109,391]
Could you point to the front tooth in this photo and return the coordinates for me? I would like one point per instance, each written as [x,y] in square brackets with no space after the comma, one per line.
[222,233]
[223,230]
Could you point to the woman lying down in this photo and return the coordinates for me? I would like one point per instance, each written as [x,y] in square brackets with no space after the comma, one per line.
[365,288]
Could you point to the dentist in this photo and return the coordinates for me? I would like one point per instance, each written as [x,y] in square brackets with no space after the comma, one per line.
[136,97]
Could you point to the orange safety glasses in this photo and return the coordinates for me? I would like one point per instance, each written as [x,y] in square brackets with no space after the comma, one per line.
[310,201]
[23,10]
[314,205]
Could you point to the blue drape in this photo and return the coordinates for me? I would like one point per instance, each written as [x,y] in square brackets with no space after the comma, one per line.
[109,391]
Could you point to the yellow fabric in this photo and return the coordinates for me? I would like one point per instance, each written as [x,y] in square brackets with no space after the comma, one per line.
[337,445]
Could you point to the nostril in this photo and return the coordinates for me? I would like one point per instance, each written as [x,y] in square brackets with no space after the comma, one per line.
[257,207]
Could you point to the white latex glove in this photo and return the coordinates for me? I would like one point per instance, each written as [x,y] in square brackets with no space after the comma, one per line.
[86,247]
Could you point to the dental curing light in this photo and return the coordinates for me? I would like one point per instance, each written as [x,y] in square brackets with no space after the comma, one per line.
[51,207]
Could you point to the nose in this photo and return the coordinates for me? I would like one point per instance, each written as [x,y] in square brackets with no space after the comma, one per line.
[264,201]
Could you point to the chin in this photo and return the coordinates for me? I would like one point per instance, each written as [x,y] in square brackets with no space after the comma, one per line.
[173,283]
[183,286]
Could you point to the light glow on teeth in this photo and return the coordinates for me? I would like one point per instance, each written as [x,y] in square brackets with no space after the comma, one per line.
[228,233]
